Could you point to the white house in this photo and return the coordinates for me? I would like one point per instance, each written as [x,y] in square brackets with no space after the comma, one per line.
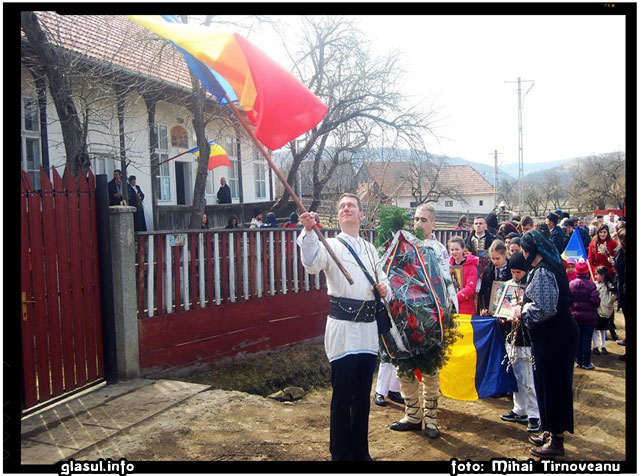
[117,63]
[474,195]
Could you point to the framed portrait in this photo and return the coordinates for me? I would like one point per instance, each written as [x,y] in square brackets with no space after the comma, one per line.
[456,276]
[496,294]
[483,261]
[511,295]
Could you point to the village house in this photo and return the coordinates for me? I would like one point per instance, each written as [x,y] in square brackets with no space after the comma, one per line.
[459,189]
[127,82]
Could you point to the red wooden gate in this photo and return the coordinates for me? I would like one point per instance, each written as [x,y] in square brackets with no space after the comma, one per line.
[61,320]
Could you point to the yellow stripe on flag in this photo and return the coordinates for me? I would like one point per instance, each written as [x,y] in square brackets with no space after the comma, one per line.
[458,376]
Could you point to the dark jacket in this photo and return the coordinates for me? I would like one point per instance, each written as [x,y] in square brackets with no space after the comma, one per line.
[224,194]
[621,267]
[489,237]
[557,236]
[585,300]
[486,283]
[113,190]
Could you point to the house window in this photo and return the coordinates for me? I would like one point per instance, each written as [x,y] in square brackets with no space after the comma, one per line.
[165,179]
[210,188]
[163,156]
[31,157]
[448,203]
[230,146]
[179,137]
[481,202]
[259,174]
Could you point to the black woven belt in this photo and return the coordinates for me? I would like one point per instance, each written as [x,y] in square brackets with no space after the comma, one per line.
[352,309]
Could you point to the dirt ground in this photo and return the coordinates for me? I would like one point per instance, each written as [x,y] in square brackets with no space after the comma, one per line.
[221,425]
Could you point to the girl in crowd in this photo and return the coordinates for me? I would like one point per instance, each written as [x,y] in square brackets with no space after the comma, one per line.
[462,223]
[602,250]
[554,339]
[525,405]
[571,269]
[506,229]
[607,291]
[232,222]
[584,309]
[498,270]
[514,246]
[204,223]
[466,294]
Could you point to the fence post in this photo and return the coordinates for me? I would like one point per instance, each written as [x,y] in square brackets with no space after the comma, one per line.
[106,280]
[124,290]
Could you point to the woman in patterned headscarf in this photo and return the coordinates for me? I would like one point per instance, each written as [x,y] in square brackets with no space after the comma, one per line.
[554,340]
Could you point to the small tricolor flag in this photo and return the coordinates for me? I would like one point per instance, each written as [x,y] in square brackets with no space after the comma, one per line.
[574,248]
[217,155]
[475,368]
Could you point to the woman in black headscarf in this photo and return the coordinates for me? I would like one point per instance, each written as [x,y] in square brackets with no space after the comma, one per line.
[554,340]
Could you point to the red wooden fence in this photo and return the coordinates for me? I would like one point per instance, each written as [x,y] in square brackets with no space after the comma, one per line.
[217,293]
[61,321]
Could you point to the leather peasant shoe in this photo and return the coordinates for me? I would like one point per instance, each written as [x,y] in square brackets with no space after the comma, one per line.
[405,426]
[379,400]
[395,397]
[431,430]
[541,439]
[554,447]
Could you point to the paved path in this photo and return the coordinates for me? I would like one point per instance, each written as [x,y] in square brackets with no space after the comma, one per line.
[66,429]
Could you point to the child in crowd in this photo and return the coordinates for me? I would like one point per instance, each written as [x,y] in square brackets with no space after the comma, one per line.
[607,293]
[387,385]
[469,263]
[525,404]
[571,269]
[584,309]
[498,270]
[602,250]
[514,246]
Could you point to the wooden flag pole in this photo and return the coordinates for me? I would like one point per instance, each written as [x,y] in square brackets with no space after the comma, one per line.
[287,187]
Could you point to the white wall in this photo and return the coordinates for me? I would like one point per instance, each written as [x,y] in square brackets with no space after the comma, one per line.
[473,204]
[104,142]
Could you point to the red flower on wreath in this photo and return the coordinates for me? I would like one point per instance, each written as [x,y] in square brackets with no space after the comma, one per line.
[396,282]
[410,270]
[397,308]
[417,337]
[412,321]
[416,291]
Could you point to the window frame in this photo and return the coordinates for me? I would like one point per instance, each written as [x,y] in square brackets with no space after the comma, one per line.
[31,136]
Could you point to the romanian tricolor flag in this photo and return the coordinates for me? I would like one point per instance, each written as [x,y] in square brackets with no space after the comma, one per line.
[279,106]
[575,247]
[217,155]
[475,369]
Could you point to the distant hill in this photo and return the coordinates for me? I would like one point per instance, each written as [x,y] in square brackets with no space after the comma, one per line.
[505,171]
[510,170]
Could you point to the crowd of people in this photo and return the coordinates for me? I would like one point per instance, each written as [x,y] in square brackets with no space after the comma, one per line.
[565,306]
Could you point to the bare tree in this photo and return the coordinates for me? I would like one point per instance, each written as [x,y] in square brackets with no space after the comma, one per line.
[557,191]
[599,181]
[535,197]
[53,62]
[360,91]
[508,191]
[423,176]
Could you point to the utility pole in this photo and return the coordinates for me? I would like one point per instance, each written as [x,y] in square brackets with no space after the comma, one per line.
[495,176]
[520,153]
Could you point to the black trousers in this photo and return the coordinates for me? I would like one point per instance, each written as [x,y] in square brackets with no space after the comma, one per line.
[351,378]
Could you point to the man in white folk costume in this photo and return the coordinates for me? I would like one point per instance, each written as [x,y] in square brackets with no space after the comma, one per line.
[351,333]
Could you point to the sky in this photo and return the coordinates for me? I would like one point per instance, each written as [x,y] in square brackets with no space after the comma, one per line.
[459,66]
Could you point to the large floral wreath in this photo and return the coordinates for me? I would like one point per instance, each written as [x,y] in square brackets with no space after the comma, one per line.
[421,313]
